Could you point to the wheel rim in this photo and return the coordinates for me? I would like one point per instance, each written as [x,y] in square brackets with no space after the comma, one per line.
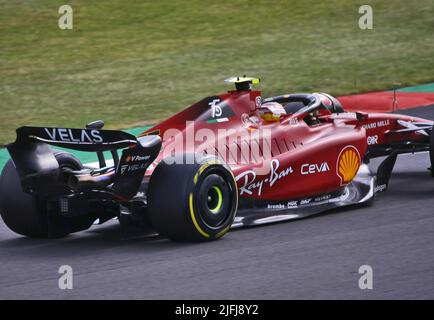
[215,199]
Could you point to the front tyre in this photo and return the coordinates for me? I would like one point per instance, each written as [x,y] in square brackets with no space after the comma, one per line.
[192,202]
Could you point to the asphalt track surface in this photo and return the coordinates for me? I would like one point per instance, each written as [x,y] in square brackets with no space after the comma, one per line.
[314,258]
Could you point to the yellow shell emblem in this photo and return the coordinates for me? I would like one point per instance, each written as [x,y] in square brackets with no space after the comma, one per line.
[348,164]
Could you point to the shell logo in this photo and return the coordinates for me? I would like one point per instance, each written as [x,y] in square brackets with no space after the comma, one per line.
[348,164]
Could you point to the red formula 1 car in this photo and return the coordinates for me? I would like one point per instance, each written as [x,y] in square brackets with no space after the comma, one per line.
[229,160]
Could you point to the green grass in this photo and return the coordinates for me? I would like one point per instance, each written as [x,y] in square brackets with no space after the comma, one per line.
[133,61]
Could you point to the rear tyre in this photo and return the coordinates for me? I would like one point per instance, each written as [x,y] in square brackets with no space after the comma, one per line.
[28,215]
[192,202]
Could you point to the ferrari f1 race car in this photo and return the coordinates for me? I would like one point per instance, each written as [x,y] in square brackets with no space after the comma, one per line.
[229,160]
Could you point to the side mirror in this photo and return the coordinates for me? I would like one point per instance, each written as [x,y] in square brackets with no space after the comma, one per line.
[98,125]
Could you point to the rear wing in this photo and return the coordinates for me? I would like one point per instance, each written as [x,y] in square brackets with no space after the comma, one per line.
[77,139]
[39,170]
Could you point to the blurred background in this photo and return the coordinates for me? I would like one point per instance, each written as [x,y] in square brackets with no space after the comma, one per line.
[135,62]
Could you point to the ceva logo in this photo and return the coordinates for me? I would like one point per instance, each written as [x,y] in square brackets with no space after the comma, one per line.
[314,168]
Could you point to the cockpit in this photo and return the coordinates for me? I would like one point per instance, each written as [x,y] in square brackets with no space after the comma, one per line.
[271,112]
[313,105]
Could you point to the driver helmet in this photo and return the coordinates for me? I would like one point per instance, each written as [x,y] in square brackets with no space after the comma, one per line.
[271,111]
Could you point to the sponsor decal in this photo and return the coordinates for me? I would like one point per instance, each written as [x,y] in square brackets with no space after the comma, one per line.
[309,168]
[371,140]
[293,204]
[123,168]
[323,198]
[383,123]
[133,167]
[298,203]
[216,110]
[134,163]
[348,164]
[66,135]
[377,124]
[276,206]
[305,201]
[137,158]
[380,188]
[250,185]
